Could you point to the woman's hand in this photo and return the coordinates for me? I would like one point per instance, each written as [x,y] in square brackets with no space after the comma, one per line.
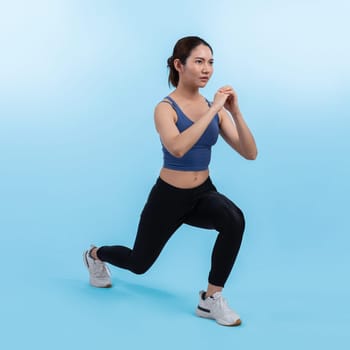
[220,99]
[231,102]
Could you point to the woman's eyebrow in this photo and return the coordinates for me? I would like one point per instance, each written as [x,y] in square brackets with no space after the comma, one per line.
[202,58]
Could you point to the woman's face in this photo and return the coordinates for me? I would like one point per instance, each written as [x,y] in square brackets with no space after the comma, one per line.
[198,68]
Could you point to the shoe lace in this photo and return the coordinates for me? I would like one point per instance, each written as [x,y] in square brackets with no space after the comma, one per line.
[222,304]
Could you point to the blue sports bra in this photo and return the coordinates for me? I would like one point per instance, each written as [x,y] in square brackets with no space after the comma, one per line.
[198,157]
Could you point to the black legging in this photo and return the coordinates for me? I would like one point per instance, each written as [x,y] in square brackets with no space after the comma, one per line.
[166,209]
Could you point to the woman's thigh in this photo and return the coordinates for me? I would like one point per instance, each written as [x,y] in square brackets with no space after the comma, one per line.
[162,215]
[212,210]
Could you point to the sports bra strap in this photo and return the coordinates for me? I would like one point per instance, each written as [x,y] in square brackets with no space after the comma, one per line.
[169,100]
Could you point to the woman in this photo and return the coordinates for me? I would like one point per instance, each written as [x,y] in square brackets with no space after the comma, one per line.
[188,126]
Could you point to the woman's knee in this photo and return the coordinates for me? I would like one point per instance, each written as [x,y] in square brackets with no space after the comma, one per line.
[232,219]
[139,269]
[240,219]
[140,266]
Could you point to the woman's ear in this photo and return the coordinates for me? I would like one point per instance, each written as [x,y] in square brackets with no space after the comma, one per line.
[177,64]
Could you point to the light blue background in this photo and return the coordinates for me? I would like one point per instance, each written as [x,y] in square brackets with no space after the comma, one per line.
[78,84]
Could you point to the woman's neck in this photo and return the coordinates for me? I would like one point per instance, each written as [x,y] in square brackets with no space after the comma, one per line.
[187,93]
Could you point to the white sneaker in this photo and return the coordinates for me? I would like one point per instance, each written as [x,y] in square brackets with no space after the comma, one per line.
[216,308]
[99,273]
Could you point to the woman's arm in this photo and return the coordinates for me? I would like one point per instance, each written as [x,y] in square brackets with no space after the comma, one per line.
[178,144]
[234,129]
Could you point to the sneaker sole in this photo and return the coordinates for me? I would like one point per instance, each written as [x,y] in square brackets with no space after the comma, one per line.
[109,285]
[203,314]
[104,286]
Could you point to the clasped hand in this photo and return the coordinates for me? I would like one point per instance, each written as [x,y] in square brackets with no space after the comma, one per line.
[226,97]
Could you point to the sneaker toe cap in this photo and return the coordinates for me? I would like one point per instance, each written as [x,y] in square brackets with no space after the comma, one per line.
[101,283]
[230,320]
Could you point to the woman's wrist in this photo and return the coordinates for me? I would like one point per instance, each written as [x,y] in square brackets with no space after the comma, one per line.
[235,112]
[216,108]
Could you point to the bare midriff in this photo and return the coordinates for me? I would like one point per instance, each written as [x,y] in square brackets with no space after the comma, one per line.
[184,179]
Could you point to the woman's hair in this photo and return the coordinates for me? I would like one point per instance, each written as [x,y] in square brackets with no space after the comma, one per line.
[182,50]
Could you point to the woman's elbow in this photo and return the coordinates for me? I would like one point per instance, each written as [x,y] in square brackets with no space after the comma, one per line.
[251,155]
[177,153]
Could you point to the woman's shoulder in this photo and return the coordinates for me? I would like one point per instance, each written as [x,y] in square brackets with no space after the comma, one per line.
[165,106]
[164,113]
[165,103]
